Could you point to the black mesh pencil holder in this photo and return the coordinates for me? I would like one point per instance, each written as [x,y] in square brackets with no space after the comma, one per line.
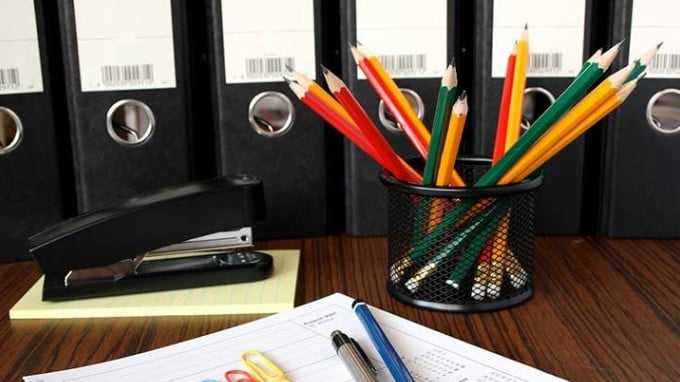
[461,249]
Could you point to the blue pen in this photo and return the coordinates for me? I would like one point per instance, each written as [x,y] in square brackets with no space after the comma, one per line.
[392,360]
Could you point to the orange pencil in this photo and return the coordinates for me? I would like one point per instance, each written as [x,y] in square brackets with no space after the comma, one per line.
[390,100]
[318,91]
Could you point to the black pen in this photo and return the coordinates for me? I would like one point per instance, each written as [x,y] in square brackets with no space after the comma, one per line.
[354,358]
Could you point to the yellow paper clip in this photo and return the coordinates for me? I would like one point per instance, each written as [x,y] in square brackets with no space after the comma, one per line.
[270,372]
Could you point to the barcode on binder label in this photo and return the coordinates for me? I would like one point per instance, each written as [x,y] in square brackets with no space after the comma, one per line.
[268,67]
[665,63]
[545,63]
[9,78]
[20,67]
[556,36]
[114,75]
[409,41]
[261,37]
[397,64]
[125,44]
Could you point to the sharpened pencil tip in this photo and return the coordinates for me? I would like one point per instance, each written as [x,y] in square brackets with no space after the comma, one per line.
[288,80]
[290,68]
[526,25]
[324,69]
[641,76]
[659,45]
[452,62]
[463,95]
[621,42]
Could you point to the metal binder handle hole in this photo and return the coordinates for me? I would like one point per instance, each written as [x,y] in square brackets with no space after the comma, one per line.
[11,130]
[387,119]
[536,101]
[663,111]
[130,122]
[271,114]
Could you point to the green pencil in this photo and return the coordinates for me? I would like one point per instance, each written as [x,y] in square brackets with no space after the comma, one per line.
[461,240]
[642,62]
[445,100]
[472,252]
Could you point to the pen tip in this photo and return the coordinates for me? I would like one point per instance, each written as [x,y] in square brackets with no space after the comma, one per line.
[357,302]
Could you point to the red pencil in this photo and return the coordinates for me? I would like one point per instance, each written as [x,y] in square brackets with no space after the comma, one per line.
[502,126]
[351,132]
[364,122]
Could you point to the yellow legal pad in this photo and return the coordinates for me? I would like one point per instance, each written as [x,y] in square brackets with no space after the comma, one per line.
[273,295]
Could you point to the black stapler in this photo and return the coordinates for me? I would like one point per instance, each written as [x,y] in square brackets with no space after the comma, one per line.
[156,242]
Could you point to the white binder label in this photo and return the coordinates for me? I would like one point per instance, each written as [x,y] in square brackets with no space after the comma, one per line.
[125,44]
[261,37]
[409,38]
[655,21]
[556,33]
[20,70]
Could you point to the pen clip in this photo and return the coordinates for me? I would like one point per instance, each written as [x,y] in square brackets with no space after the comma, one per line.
[364,355]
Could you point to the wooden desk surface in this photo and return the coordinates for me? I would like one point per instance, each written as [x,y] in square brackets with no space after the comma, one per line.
[604,309]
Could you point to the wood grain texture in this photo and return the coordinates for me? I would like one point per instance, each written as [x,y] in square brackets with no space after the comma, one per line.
[604,310]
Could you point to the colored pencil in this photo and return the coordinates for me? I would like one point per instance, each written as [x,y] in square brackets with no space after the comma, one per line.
[320,93]
[502,125]
[329,115]
[585,107]
[445,100]
[566,100]
[642,62]
[607,107]
[452,142]
[404,106]
[519,78]
[390,100]
[399,168]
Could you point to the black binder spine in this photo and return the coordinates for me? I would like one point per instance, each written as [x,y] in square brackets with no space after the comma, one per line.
[294,167]
[33,195]
[107,172]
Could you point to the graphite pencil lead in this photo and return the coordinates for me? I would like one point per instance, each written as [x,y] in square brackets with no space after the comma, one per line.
[659,45]
[290,68]
[463,95]
[324,69]
[453,61]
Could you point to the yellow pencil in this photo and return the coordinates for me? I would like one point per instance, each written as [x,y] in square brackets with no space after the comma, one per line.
[607,107]
[517,95]
[452,143]
[585,107]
